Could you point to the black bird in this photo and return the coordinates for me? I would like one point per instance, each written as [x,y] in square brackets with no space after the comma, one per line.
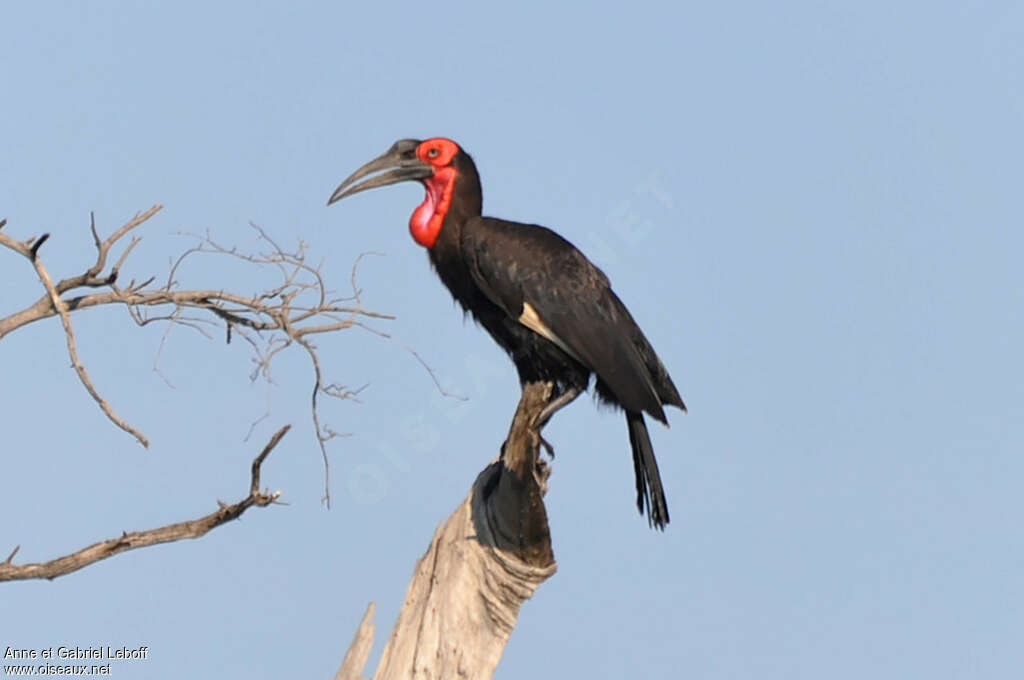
[539,297]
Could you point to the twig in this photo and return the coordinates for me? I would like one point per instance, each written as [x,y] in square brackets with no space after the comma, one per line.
[254,487]
[353,277]
[433,377]
[322,437]
[69,334]
[104,248]
[141,539]
[34,248]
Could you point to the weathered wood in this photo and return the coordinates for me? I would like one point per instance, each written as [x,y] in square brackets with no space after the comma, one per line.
[359,650]
[482,564]
[514,487]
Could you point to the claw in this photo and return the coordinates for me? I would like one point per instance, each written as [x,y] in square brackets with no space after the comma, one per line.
[547,446]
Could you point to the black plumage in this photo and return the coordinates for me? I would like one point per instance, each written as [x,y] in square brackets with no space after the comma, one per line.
[551,309]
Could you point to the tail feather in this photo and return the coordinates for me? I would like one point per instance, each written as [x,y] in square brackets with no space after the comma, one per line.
[649,493]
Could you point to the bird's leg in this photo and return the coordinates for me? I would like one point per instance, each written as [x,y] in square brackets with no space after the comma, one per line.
[559,402]
[556,404]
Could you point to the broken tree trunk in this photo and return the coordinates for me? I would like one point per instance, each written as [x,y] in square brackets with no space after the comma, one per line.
[482,564]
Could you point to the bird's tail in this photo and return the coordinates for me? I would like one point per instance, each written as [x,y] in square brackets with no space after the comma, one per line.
[649,492]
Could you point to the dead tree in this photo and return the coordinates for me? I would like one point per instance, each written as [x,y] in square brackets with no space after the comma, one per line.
[289,312]
[482,564]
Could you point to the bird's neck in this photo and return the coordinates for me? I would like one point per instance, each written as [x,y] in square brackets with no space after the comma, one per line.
[448,260]
[446,251]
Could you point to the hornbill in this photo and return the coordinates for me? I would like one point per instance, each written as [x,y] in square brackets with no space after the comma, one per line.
[539,297]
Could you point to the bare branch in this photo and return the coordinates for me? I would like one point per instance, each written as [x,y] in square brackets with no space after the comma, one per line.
[297,306]
[356,291]
[254,487]
[16,246]
[92,228]
[433,377]
[69,335]
[124,256]
[322,435]
[141,539]
[36,245]
[92,277]
[252,427]
[104,248]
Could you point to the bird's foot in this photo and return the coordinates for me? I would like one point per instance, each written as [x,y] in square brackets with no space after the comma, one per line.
[547,446]
[556,404]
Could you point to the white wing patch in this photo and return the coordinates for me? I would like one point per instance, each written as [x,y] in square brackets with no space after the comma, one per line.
[532,320]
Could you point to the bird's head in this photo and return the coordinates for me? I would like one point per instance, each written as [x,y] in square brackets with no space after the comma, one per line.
[436,163]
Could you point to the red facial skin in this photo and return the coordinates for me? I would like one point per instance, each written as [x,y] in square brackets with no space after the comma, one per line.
[426,220]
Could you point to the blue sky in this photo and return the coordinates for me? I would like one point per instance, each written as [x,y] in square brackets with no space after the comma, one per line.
[813,210]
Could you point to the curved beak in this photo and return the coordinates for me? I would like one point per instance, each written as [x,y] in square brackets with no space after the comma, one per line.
[397,165]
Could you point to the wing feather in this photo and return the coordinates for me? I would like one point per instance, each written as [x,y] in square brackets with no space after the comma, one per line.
[543,281]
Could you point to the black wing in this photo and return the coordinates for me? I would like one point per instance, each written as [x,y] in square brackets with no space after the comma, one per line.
[526,268]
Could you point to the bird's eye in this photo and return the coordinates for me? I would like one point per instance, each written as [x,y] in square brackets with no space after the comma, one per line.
[433,152]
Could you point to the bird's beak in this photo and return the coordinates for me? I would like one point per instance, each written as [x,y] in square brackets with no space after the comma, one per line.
[392,166]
